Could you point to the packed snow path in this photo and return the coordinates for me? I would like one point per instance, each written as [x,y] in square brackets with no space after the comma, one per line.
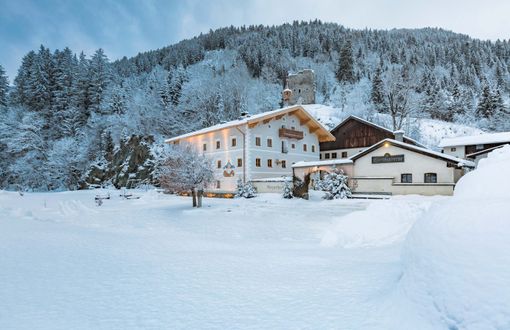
[157,263]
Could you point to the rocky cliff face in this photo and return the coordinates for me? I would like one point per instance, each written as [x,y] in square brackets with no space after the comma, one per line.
[129,165]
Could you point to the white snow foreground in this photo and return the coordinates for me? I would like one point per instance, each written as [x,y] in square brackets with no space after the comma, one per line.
[155,263]
[456,260]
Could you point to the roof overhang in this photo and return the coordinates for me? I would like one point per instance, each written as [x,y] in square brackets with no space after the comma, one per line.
[305,118]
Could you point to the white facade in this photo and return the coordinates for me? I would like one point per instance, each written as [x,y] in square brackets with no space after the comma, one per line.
[253,148]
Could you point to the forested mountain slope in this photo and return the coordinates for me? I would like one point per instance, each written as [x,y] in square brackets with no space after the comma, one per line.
[67,116]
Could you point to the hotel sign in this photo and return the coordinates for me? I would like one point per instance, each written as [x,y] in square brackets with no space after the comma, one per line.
[387,158]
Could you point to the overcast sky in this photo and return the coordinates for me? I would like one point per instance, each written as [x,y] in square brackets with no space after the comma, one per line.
[126,27]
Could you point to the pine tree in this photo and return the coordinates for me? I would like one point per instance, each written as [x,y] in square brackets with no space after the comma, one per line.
[100,77]
[485,107]
[4,87]
[345,70]
[377,93]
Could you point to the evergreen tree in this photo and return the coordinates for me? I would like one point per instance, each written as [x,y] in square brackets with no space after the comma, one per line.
[485,107]
[377,93]
[4,87]
[345,70]
[100,77]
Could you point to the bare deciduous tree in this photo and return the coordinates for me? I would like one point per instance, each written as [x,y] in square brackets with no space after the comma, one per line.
[185,170]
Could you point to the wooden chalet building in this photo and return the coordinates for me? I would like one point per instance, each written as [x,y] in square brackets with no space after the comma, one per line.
[354,135]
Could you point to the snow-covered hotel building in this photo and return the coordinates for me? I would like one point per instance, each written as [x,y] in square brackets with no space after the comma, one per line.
[260,146]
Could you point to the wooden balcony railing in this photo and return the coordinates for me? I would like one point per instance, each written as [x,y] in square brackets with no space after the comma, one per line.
[290,133]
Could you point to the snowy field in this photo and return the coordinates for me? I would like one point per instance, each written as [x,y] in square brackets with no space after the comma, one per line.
[156,263]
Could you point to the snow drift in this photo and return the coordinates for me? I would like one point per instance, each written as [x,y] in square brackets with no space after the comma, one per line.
[382,223]
[456,257]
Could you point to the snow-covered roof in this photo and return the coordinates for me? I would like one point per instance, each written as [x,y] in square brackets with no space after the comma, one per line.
[476,139]
[324,132]
[484,151]
[340,161]
[460,162]
[377,126]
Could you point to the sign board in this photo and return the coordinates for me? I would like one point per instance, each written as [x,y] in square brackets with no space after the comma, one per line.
[387,158]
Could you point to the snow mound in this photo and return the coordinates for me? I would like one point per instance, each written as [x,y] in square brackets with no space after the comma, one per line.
[456,260]
[382,223]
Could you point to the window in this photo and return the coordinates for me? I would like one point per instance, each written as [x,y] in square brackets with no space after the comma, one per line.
[304,147]
[313,147]
[257,141]
[479,147]
[257,162]
[293,127]
[326,155]
[406,178]
[320,156]
[344,154]
[453,149]
[218,163]
[234,142]
[218,184]
[285,148]
[269,163]
[284,164]
[430,178]
[239,162]
[270,143]
[333,155]
[293,146]
[218,144]
[204,147]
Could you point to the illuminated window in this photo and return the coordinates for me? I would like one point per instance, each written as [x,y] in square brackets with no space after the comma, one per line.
[257,162]
[269,163]
[218,163]
[270,143]
[284,164]
[344,154]
[218,144]
[304,147]
[406,178]
[333,155]
[430,178]
[257,141]
[234,142]
[239,162]
[204,147]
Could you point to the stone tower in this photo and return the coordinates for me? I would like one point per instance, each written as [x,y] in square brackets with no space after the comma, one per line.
[300,88]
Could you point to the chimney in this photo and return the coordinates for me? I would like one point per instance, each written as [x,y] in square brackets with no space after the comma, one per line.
[399,135]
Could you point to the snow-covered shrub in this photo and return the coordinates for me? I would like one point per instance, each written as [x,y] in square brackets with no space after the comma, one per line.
[335,185]
[287,190]
[245,190]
